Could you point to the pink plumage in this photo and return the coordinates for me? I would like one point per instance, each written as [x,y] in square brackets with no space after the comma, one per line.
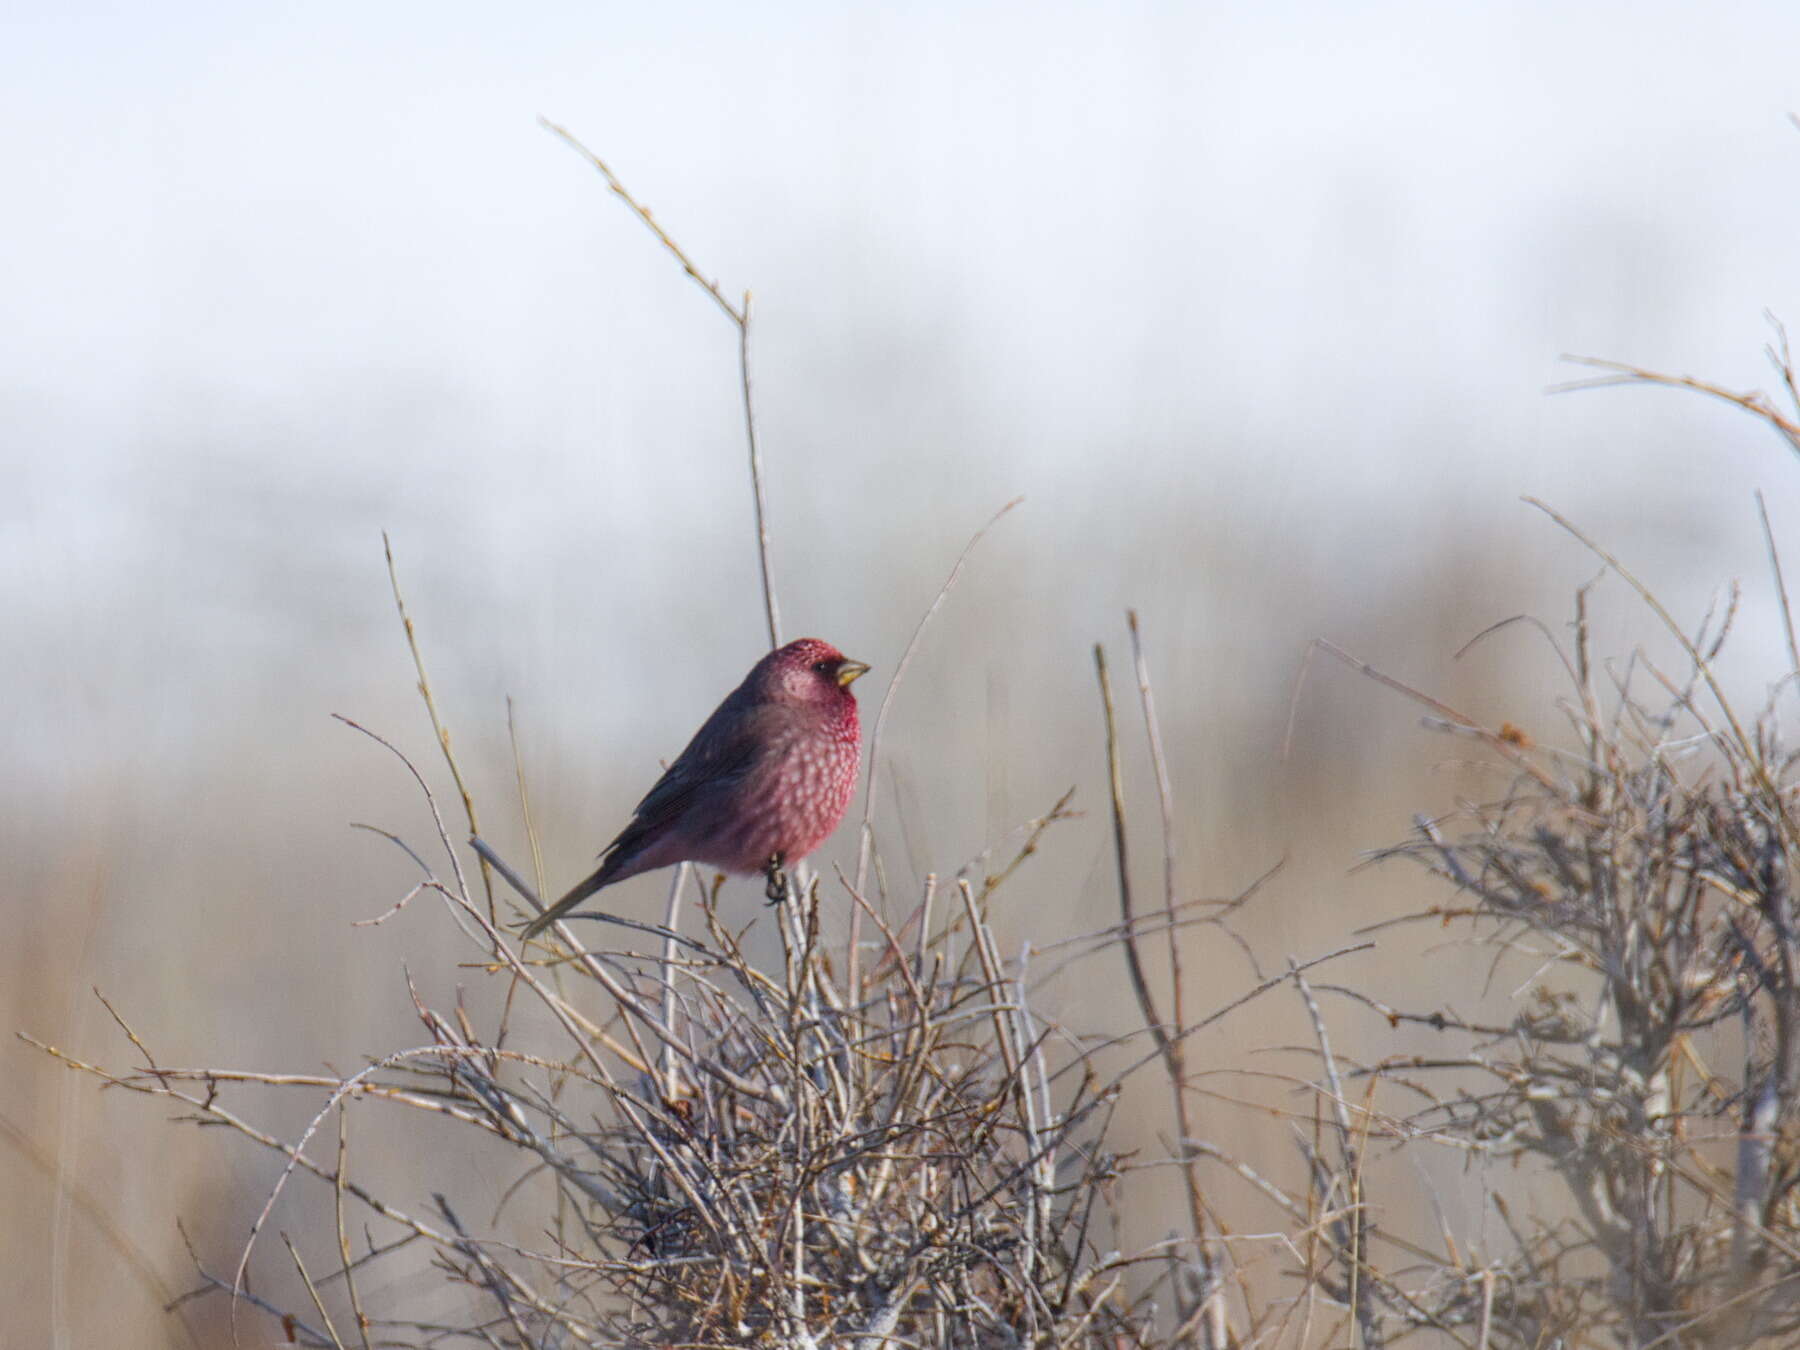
[763,783]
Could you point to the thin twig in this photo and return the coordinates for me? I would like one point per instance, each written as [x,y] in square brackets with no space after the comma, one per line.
[1781,593]
[650,222]
[1622,374]
[740,317]
[438,728]
[866,835]
[348,1266]
[771,607]
[313,1292]
[1121,856]
[887,697]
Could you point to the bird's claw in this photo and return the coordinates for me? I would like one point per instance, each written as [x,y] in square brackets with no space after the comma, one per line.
[777,889]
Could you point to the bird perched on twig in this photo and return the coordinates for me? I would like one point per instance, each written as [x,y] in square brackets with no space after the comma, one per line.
[763,783]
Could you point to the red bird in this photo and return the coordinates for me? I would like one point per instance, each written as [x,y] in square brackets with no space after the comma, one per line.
[761,785]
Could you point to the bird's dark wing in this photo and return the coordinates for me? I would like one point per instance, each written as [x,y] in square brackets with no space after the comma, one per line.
[725,748]
[717,755]
[714,769]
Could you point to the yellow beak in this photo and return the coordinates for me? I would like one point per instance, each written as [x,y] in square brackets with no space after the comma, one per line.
[849,671]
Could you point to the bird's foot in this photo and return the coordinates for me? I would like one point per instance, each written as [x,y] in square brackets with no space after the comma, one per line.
[776,876]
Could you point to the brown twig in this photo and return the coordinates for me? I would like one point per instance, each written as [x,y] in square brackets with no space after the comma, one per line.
[439,730]
[1781,592]
[740,317]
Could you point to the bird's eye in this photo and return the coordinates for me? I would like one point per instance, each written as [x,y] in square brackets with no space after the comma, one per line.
[822,667]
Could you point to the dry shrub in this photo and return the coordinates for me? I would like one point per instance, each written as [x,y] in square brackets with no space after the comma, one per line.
[1641,879]
[718,1155]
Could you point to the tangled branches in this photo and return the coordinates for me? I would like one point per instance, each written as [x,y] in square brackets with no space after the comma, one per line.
[1645,880]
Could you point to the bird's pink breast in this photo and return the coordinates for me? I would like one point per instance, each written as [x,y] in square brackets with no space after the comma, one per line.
[791,801]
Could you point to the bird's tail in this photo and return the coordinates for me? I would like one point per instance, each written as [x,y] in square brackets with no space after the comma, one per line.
[603,875]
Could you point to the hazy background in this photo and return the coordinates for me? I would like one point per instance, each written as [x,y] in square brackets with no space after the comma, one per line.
[1255,304]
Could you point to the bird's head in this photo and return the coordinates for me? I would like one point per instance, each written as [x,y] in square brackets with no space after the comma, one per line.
[807,672]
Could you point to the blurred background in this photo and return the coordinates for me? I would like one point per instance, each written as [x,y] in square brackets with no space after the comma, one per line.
[1256,305]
